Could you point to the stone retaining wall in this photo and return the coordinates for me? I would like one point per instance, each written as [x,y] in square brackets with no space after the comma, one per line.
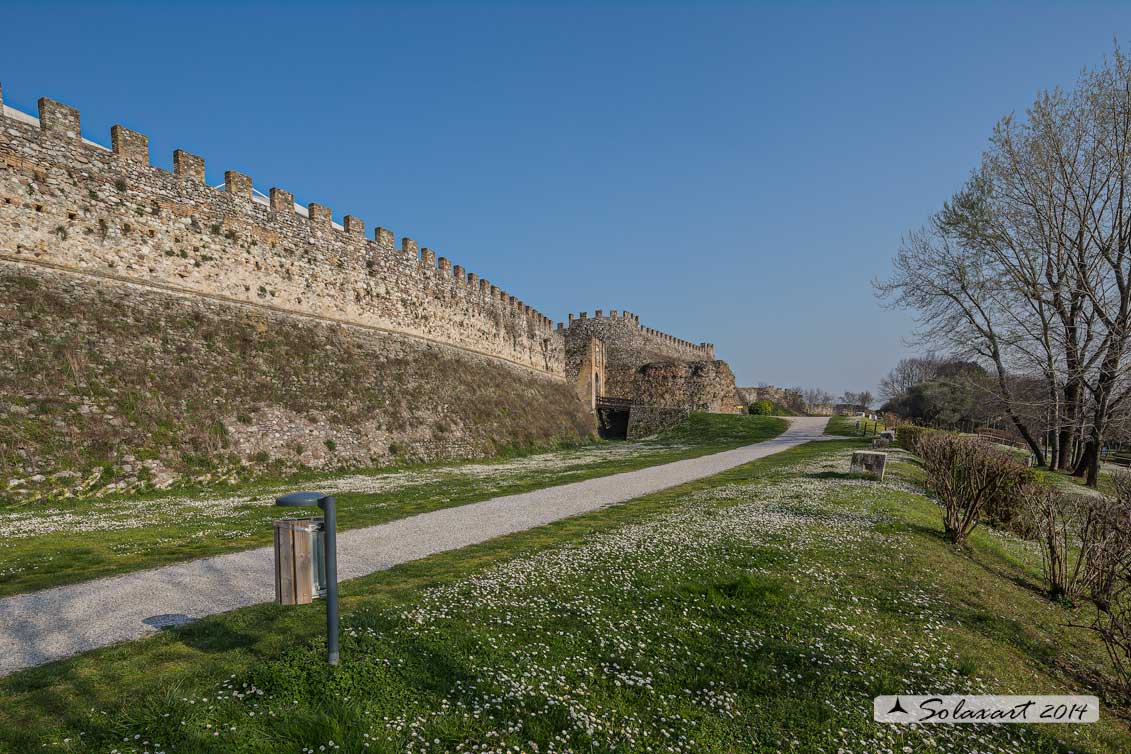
[111,385]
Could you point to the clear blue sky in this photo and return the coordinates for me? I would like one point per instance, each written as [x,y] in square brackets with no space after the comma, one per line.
[732,172]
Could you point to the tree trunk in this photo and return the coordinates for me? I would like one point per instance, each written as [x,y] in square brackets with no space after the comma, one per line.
[1072,394]
[1084,459]
[1007,399]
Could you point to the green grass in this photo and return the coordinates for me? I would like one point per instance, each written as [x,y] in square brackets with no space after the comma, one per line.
[846,425]
[758,610]
[1070,483]
[85,539]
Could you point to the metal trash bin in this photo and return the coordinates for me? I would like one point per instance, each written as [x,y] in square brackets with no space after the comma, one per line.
[300,560]
[306,563]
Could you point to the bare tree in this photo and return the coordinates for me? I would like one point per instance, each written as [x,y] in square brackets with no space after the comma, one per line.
[1028,267]
[964,301]
[906,374]
[817,397]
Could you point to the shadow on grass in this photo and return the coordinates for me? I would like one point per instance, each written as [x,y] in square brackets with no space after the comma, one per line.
[167,620]
[840,475]
[970,610]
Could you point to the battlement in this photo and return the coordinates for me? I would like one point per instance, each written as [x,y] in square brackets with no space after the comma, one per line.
[668,345]
[70,203]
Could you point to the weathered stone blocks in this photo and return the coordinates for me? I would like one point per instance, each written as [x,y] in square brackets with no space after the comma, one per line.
[385,238]
[237,185]
[59,120]
[129,145]
[868,462]
[320,215]
[696,385]
[188,166]
[353,226]
[282,201]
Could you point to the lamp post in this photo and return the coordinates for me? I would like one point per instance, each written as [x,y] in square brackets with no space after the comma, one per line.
[326,503]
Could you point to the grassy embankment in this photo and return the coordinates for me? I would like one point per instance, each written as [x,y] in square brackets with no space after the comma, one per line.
[758,610]
[48,544]
[852,426]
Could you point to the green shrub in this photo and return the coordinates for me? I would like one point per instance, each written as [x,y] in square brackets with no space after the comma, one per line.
[763,407]
[907,436]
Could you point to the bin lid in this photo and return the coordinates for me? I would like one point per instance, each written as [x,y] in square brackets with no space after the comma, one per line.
[299,499]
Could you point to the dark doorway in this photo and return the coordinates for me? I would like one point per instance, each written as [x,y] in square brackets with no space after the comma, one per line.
[612,418]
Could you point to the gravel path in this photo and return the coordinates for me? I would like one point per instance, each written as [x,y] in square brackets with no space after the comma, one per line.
[54,623]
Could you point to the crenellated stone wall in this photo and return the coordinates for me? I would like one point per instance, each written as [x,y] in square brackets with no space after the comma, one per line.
[68,203]
[649,367]
[156,328]
[629,343]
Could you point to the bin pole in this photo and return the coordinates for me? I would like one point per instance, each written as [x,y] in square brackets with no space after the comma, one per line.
[327,504]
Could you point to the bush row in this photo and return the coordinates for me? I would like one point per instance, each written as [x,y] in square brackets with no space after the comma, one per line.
[1085,539]
[908,436]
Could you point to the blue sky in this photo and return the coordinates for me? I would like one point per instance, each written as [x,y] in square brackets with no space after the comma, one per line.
[732,172]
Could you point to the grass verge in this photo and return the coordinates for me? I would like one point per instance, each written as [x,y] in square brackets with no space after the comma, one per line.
[850,426]
[48,545]
[758,610]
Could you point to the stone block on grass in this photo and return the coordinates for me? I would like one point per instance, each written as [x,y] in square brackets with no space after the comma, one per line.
[869,462]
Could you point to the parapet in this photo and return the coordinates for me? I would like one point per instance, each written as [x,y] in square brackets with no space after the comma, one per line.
[262,236]
[129,145]
[631,322]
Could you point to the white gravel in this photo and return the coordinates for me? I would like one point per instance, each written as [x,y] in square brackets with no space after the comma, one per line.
[55,623]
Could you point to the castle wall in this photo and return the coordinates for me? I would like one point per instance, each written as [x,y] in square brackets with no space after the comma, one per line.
[789,397]
[699,386]
[109,385]
[156,327]
[592,373]
[68,203]
[629,344]
[647,366]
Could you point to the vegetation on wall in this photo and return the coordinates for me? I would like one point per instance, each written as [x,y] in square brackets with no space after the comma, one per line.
[108,386]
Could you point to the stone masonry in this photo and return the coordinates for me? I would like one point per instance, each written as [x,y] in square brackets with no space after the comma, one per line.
[650,367]
[97,244]
[696,385]
[68,203]
[106,386]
